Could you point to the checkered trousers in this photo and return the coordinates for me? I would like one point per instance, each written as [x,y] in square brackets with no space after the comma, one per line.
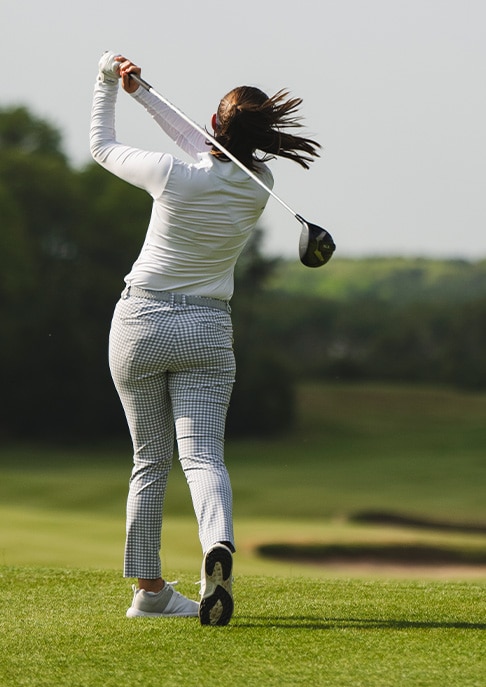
[173,367]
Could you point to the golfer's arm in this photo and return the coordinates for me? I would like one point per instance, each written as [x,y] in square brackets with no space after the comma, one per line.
[146,170]
[182,133]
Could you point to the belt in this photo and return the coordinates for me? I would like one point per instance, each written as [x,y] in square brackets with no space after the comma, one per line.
[173,298]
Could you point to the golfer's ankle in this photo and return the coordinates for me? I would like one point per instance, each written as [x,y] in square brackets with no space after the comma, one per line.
[151,585]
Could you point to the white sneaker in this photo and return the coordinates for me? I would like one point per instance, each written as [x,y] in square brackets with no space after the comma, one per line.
[167,603]
[216,607]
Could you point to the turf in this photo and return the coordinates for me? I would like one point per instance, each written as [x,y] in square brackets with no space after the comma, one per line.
[67,628]
[413,451]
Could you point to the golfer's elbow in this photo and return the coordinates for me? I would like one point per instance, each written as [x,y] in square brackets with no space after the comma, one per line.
[98,146]
[95,150]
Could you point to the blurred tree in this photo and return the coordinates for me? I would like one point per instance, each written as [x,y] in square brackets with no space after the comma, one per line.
[38,306]
[20,130]
[465,356]
[67,238]
[16,259]
[263,400]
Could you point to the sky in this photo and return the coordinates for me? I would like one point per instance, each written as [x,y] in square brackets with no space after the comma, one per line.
[394,90]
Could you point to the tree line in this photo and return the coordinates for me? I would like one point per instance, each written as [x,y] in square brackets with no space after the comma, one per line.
[67,238]
[388,319]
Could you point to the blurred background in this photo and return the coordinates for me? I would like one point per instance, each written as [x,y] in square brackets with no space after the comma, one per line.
[361,385]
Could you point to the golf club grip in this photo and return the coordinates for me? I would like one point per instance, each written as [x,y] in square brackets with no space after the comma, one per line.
[141,82]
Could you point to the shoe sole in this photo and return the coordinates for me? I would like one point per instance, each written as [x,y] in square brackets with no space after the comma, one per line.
[135,613]
[216,608]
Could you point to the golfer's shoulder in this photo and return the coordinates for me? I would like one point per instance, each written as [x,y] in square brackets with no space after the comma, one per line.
[265,173]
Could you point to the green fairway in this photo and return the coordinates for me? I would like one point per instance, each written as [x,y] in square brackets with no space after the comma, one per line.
[65,628]
[409,451]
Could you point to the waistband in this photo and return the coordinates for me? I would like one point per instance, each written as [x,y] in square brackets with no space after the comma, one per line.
[173,298]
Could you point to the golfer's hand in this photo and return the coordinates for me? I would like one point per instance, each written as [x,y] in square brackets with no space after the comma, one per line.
[126,69]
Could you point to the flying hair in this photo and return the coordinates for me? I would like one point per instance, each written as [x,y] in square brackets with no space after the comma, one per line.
[249,121]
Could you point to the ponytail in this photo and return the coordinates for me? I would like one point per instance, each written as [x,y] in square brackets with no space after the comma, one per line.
[249,121]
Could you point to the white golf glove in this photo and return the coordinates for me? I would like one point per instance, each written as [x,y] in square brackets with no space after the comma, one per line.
[109,68]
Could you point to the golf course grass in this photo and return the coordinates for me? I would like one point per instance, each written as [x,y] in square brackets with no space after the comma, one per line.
[64,627]
[350,619]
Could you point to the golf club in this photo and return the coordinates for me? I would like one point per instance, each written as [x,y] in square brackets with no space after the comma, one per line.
[316,245]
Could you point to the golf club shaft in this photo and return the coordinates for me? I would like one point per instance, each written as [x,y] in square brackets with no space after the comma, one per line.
[216,144]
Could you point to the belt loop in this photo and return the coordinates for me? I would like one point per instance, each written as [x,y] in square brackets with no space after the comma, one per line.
[172,299]
[183,299]
[228,308]
[126,292]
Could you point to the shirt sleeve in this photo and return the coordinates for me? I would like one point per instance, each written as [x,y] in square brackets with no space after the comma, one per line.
[146,170]
[181,132]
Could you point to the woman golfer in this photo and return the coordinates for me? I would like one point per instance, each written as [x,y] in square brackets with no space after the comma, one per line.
[171,347]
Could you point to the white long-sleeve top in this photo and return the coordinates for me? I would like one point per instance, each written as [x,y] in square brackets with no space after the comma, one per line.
[203,212]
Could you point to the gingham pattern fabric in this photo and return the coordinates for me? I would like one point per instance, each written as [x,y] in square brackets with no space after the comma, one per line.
[173,367]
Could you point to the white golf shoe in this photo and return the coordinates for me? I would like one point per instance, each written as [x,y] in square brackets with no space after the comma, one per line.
[167,604]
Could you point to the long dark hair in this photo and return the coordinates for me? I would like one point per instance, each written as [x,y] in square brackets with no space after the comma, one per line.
[249,121]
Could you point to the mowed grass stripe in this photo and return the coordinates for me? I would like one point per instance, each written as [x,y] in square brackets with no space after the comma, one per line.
[78,540]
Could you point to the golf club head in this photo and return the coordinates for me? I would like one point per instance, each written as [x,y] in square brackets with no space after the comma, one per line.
[315,245]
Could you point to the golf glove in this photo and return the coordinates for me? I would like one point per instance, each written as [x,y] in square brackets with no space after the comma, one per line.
[108,68]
